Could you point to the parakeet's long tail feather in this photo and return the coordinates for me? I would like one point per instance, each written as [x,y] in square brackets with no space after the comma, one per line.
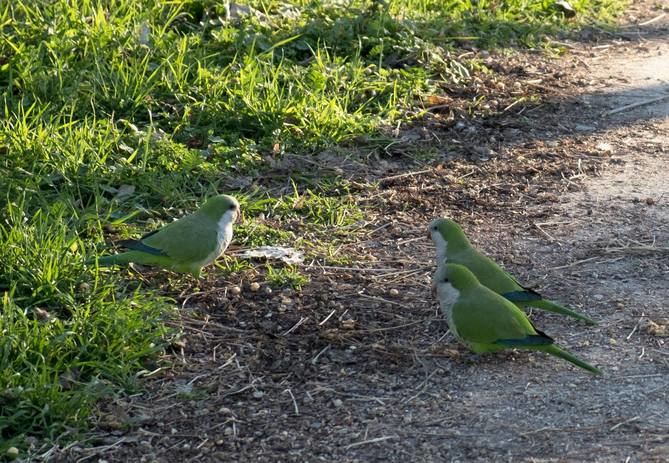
[545,304]
[108,261]
[139,257]
[555,350]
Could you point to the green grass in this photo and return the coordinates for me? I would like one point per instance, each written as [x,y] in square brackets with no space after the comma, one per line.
[279,277]
[67,336]
[119,115]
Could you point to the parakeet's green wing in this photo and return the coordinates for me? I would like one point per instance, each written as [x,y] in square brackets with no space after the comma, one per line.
[139,245]
[504,321]
[494,277]
[191,239]
[490,274]
[524,295]
[486,322]
[486,270]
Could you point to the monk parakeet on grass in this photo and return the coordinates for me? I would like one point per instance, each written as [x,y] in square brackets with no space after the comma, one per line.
[185,245]
[484,321]
[454,247]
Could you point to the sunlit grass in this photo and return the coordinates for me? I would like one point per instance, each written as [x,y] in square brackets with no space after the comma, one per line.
[288,275]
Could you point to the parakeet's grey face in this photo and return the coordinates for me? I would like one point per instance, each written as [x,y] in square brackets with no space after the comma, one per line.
[446,292]
[229,217]
[234,211]
[438,239]
[230,213]
[222,205]
[440,276]
[458,276]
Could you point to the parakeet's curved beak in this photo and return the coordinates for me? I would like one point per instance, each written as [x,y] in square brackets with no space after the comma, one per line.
[240,217]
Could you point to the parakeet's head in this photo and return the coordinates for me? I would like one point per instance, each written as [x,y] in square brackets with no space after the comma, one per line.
[445,229]
[455,275]
[444,232]
[222,206]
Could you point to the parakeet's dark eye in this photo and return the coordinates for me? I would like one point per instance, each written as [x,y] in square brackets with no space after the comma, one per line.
[233,206]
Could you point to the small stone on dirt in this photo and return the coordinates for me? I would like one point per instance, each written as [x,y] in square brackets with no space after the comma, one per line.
[604,147]
[652,328]
[348,324]
[12,453]
[235,290]
[255,286]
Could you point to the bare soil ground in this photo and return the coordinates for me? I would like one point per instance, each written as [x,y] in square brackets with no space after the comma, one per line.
[359,367]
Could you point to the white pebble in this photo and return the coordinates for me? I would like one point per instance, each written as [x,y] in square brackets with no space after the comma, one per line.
[236,290]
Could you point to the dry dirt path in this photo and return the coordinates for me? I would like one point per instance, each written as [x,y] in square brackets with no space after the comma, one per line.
[361,373]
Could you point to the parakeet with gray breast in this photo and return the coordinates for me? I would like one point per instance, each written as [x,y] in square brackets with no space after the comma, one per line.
[185,245]
[484,321]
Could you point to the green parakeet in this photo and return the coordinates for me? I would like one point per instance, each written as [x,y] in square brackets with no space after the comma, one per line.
[185,245]
[454,247]
[484,321]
